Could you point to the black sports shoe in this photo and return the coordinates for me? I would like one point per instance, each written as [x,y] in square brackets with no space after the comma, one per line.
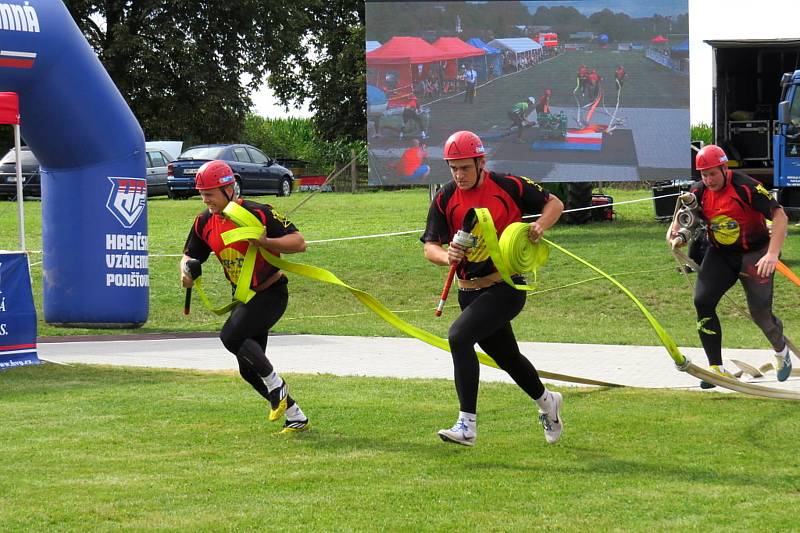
[278,399]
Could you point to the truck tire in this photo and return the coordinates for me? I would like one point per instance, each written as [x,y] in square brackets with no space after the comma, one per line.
[578,195]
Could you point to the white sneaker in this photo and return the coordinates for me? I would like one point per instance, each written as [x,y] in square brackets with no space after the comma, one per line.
[458,434]
[552,422]
[783,364]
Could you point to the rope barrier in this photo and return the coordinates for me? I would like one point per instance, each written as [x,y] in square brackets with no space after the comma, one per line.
[419,231]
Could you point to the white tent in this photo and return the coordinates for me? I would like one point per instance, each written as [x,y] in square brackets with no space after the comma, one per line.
[372,45]
[516,45]
[519,46]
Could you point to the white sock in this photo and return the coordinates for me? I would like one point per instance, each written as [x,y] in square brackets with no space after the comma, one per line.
[545,401]
[294,413]
[470,420]
[273,381]
[783,352]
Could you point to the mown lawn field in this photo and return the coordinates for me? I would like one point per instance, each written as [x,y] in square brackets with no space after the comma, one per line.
[570,305]
[113,449]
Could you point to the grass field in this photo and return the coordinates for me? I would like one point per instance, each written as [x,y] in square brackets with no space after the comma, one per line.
[101,449]
[571,307]
[95,448]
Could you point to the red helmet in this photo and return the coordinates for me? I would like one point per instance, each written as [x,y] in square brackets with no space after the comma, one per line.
[213,175]
[710,156]
[463,145]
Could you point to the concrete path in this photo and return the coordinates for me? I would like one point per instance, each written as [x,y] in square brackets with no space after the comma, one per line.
[639,366]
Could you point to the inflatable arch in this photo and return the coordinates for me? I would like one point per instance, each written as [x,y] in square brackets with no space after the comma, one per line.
[91,151]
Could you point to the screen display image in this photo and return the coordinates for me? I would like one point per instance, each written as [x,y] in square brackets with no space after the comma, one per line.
[560,91]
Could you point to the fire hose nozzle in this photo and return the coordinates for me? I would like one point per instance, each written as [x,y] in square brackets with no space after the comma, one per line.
[465,239]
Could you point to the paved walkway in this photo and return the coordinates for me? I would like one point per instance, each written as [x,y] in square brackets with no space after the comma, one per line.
[639,366]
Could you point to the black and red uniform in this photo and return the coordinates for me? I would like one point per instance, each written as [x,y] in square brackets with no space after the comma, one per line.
[245,332]
[486,313]
[619,76]
[735,218]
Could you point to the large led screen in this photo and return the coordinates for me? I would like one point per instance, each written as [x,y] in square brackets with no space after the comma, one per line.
[561,91]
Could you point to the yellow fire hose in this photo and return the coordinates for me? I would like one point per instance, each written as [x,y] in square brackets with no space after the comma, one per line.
[251,228]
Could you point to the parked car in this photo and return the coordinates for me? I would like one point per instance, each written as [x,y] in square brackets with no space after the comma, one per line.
[254,171]
[156,160]
[31,184]
[157,167]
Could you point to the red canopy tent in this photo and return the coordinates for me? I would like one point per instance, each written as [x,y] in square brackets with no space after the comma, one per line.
[455,48]
[393,67]
[9,114]
[659,39]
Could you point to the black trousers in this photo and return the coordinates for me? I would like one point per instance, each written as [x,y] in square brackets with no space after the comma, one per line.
[409,115]
[719,271]
[469,93]
[245,333]
[517,120]
[486,320]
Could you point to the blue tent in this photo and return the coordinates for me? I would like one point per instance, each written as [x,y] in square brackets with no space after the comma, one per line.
[682,48]
[494,60]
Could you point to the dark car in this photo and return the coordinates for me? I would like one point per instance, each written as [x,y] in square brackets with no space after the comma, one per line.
[156,161]
[254,171]
[31,184]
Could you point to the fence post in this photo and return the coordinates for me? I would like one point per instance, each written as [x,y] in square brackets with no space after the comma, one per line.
[353,171]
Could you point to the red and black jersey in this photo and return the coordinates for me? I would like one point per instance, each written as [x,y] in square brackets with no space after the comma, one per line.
[506,197]
[736,215]
[205,237]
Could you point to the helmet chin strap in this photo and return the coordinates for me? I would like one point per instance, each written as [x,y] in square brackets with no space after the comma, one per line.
[225,192]
[477,172]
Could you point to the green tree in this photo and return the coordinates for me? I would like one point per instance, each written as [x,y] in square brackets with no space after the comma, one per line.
[332,76]
[179,64]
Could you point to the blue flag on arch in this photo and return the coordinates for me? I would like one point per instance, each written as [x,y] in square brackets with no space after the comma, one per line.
[17,312]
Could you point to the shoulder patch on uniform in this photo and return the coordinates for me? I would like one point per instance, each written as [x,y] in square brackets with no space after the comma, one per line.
[280,218]
[531,182]
[763,190]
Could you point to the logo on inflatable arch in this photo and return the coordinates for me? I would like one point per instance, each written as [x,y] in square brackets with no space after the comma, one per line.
[127,199]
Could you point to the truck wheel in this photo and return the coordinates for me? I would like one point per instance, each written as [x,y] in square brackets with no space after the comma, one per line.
[578,195]
[285,188]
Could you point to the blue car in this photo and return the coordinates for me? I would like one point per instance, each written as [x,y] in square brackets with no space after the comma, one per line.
[254,171]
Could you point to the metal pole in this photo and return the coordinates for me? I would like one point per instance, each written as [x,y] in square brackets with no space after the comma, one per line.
[353,172]
[21,217]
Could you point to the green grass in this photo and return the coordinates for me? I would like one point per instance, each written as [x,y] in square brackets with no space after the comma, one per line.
[95,448]
[393,270]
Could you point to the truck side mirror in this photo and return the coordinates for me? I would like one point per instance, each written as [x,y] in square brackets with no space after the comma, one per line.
[783,113]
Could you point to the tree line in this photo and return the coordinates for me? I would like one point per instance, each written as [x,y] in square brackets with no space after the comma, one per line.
[180,64]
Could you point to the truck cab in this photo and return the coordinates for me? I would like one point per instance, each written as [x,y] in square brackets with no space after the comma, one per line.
[786,144]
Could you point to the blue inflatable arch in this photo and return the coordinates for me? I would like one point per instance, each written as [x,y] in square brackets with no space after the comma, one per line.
[91,151]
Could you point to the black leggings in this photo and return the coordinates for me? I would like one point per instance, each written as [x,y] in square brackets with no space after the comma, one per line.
[718,273]
[246,330]
[409,115]
[486,320]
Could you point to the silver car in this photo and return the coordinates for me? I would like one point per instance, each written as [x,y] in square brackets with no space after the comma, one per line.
[157,161]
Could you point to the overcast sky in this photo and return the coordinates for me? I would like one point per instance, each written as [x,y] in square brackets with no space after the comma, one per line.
[708,19]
